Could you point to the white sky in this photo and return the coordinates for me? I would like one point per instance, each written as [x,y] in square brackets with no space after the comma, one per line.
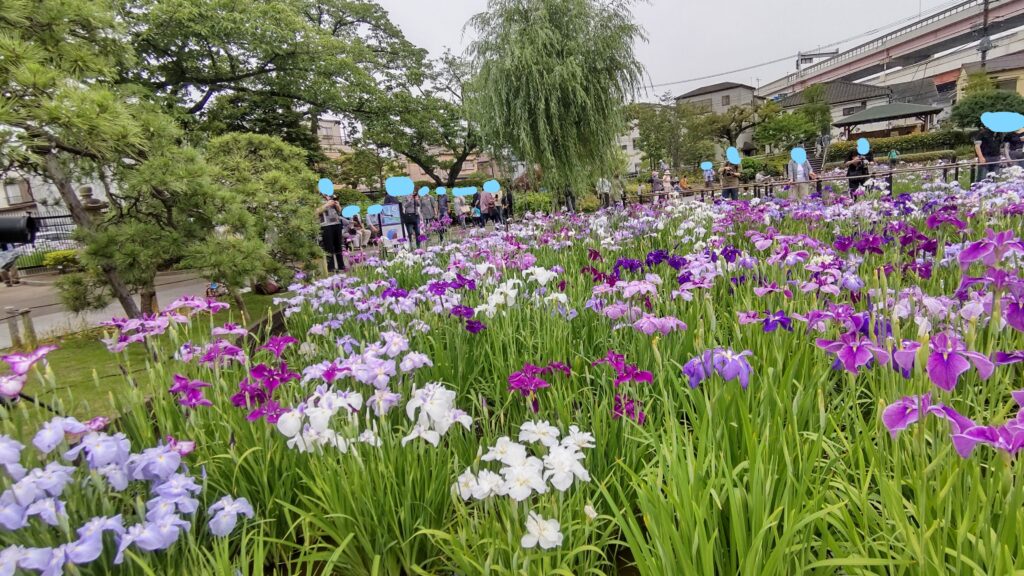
[691,38]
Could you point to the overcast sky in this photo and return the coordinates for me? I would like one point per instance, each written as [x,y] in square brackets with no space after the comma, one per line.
[690,38]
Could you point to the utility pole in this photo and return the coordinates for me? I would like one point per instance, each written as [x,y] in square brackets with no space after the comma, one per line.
[986,43]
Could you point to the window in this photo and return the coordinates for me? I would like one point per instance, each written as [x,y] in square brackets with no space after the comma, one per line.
[17,192]
[625,146]
[1009,84]
[635,142]
[854,109]
[726,100]
[704,105]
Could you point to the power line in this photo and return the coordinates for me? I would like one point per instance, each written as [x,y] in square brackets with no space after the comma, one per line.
[792,56]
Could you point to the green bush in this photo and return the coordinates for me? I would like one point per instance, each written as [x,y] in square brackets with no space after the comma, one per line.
[967,112]
[32,260]
[589,203]
[910,144]
[346,196]
[477,179]
[769,166]
[81,291]
[921,157]
[533,202]
[63,258]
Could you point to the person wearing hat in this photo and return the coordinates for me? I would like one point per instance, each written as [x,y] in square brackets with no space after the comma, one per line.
[331,239]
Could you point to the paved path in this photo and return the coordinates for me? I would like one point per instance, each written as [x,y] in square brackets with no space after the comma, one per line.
[50,318]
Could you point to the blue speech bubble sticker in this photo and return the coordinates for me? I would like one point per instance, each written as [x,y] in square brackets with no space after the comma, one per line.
[375,209]
[464,191]
[492,186]
[706,165]
[350,211]
[424,191]
[441,191]
[799,155]
[398,186]
[733,155]
[325,186]
[863,146]
[1003,121]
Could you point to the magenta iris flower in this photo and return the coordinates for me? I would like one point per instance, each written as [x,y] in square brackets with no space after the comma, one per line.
[1003,358]
[462,312]
[21,363]
[475,326]
[630,373]
[628,408]
[528,381]
[649,324]
[991,249]
[965,434]
[277,344]
[950,358]
[853,350]
[190,392]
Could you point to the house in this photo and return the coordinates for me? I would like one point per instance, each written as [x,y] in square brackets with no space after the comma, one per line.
[848,98]
[474,163]
[1007,72]
[628,144]
[719,98]
[333,138]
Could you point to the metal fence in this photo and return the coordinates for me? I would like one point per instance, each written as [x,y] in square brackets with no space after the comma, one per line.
[54,233]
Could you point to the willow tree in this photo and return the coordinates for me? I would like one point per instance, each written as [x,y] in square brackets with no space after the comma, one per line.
[552,79]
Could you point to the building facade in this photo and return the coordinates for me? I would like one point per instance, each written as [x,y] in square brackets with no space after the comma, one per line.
[719,98]
[846,99]
[628,144]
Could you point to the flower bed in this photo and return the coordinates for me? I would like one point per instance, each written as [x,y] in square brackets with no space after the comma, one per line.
[745,388]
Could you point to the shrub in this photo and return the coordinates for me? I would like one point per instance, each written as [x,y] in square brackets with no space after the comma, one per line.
[346,196]
[967,112]
[81,291]
[922,157]
[589,203]
[61,258]
[533,202]
[910,144]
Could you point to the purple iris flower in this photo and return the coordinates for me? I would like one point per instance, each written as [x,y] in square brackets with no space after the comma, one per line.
[475,326]
[950,358]
[271,378]
[991,249]
[1003,358]
[10,457]
[774,321]
[630,373]
[221,352]
[152,535]
[528,382]
[628,408]
[155,464]
[649,324]
[52,433]
[733,366]
[230,329]
[462,312]
[89,545]
[270,410]
[277,344]
[854,350]
[698,369]
[225,514]
[102,450]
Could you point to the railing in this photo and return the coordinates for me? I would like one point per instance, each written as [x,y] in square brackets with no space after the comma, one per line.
[54,233]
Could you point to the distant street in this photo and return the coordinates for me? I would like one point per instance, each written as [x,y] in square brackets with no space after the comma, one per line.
[50,318]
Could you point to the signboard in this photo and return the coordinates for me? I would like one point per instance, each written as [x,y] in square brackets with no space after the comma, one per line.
[390,222]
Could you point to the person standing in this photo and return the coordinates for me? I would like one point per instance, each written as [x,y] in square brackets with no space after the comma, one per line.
[411,218]
[604,192]
[442,215]
[801,174]
[618,191]
[508,204]
[666,184]
[428,211]
[488,207]
[461,210]
[1015,147]
[656,185]
[331,239]
[987,147]
[730,175]
[857,168]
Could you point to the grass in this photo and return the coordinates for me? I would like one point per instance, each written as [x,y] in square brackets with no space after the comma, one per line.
[86,377]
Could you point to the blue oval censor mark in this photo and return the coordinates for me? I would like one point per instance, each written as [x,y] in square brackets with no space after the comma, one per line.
[1003,121]
[350,211]
[733,155]
[492,186]
[325,186]
[863,146]
[799,155]
[424,191]
[441,191]
[705,165]
[375,209]
[399,186]
[464,191]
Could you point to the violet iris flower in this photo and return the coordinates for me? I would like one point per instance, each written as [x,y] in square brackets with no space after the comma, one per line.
[225,514]
[630,373]
[475,326]
[950,358]
[629,408]
[853,350]
[462,312]
[21,363]
[999,358]
[726,363]
[774,321]
[230,329]
[649,324]
[277,344]
[991,249]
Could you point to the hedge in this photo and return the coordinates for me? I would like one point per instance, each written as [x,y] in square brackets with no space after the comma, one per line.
[913,143]
[922,157]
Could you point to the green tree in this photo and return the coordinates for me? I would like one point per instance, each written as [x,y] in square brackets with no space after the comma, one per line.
[260,114]
[979,82]
[816,109]
[726,127]
[967,112]
[425,119]
[552,77]
[365,166]
[269,178]
[786,130]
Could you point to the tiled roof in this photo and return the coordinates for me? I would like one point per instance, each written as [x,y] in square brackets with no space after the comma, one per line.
[711,89]
[839,92]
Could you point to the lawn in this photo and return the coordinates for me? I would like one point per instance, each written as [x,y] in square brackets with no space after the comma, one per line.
[85,377]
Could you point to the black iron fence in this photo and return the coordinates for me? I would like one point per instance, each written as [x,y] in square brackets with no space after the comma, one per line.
[54,234]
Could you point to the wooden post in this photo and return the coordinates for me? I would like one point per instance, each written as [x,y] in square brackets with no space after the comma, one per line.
[12,325]
[29,330]
[945,174]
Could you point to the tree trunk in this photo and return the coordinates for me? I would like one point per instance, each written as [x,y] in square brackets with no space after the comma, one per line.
[456,169]
[60,179]
[237,297]
[149,303]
